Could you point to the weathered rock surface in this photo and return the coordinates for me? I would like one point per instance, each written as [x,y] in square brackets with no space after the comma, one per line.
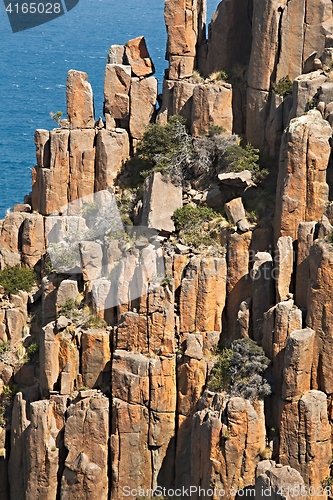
[143,95]
[319,315]
[302,192]
[137,56]
[112,149]
[86,439]
[272,478]
[160,199]
[211,105]
[80,104]
[305,437]
[117,83]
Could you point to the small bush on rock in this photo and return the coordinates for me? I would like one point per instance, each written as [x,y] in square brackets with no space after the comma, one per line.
[17,278]
[197,226]
[239,371]
[283,87]
[165,149]
[240,159]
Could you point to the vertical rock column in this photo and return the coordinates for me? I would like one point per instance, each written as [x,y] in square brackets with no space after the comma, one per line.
[302,192]
[320,316]
[185,23]
[305,432]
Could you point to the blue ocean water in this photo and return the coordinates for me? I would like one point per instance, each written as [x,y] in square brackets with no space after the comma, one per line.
[34,66]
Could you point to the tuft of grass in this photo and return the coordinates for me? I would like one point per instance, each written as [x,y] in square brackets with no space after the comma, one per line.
[94,322]
[197,77]
[217,76]
[17,278]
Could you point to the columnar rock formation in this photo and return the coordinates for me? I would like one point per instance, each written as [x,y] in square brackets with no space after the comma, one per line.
[128,326]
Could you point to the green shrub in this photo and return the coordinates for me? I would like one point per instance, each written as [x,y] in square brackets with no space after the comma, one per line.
[56,117]
[221,377]
[239,159]
[215,130]
[69,309]
[165,149]
[327,481]
[4,347]
[89,209]
[17,278]
[32,352]
[283,87]
[239,371]
[197,226]
[64,259]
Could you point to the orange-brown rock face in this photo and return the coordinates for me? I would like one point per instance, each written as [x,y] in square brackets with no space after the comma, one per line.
[319,316]
[33,246]
[185,23]
[137,56]
[80,105]
[220,453]
[230,28]
[212,105]
[143,415]
[305,239]
[86,438]
[81,163]
[305,437]
[112,151]
[280,40]
[143,95]
[238,278]
[50,185]
[302,192]
[117,84]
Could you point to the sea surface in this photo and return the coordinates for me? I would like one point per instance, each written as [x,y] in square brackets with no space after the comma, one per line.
[34,65]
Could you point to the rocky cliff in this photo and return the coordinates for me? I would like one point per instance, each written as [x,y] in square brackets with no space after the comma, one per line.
[109,360]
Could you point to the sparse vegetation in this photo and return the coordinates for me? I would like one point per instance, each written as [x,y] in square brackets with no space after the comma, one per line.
[239,158]
[198,226]
[283,87]
[197,77]
[165,149]
[69,309]
[329,238]
[4,347]
[17,278]
[239,371]
[64,259]
[32,352]
[327,481]
[167,281]
[94,322]
[89,209]
[215,130]
[56,117]
[221,75]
